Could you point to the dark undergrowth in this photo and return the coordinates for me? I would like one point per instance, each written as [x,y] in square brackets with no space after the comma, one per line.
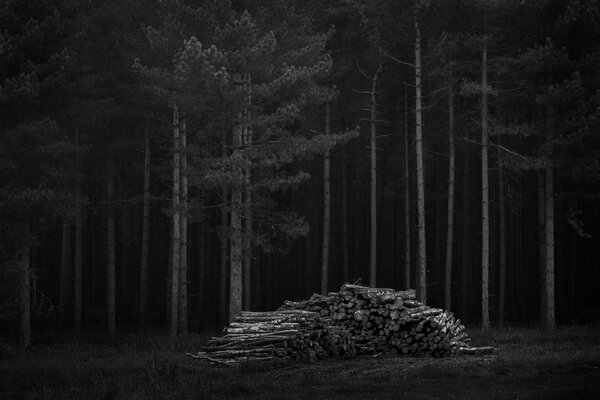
[529,364]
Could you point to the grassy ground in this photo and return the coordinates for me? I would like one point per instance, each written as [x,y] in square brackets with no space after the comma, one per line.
[528,365]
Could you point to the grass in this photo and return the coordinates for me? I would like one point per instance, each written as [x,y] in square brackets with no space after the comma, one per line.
[529,364]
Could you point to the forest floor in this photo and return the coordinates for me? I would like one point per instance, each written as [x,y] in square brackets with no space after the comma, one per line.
[528,365]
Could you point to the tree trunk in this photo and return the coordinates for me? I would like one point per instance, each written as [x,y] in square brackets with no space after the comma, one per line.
[78,272]
[466,233]
[176,239]
[111,254]
[223,241]
[502,241]
[421,260]
[345,261]
[78,262]
[183,263]
[145,230]
[247,237]
[121,279]
[24,337]
[66,272]
[373,237]
[407,263]
[326,209]
[308,259]
[169,282]
[549,323]
[451,174]
[202,264]
[485,212]
[541,197]
[235,269]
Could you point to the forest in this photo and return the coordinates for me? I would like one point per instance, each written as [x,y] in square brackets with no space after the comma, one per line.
[166,164]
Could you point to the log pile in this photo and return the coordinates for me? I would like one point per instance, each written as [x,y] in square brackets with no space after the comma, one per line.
[285,334]
[385,320]
[354,320]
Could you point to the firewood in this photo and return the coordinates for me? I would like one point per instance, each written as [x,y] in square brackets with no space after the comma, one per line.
[355,320]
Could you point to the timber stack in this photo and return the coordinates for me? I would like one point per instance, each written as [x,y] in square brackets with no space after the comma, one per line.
[384,320]
[286,334]
[354,320]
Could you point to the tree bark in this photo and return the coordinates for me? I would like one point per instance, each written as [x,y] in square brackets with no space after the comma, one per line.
[202,264]
[111,254]
[78,272]
[176,227]
[145,229]
[549,323]
[247,237]
[373,236]
[485,219]
[183,259]
[501,241]
[421,259]
[223,241]
[407,260]
[24,336]
[169,282]
[121,278]
[235,269]
[345,261]
[541,197]
[78,262]
[66,271]
[326,209]
[451,175]
[466,232]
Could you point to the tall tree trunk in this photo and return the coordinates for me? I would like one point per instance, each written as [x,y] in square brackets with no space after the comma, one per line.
[78,262]
[373,237]
[145,229]
[176,239]
[247,236]
[308,259]
[345,261]
[202,264]
[111,254]
[485,211]
[169,282]
[24,336]
[78,271]
[451,174]
[549,323]
[541,198]
[466,233]
[407,263]
[326,208]
[235,269]
[66,271]
[223,242]
[502,241]
[421,259]
[183,259]
[122,298]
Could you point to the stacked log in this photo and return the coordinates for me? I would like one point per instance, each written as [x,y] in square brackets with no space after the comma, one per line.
[384,320]
[284,334]
[354,320]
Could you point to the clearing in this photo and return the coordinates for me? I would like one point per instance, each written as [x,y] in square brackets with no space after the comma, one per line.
[528,365]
